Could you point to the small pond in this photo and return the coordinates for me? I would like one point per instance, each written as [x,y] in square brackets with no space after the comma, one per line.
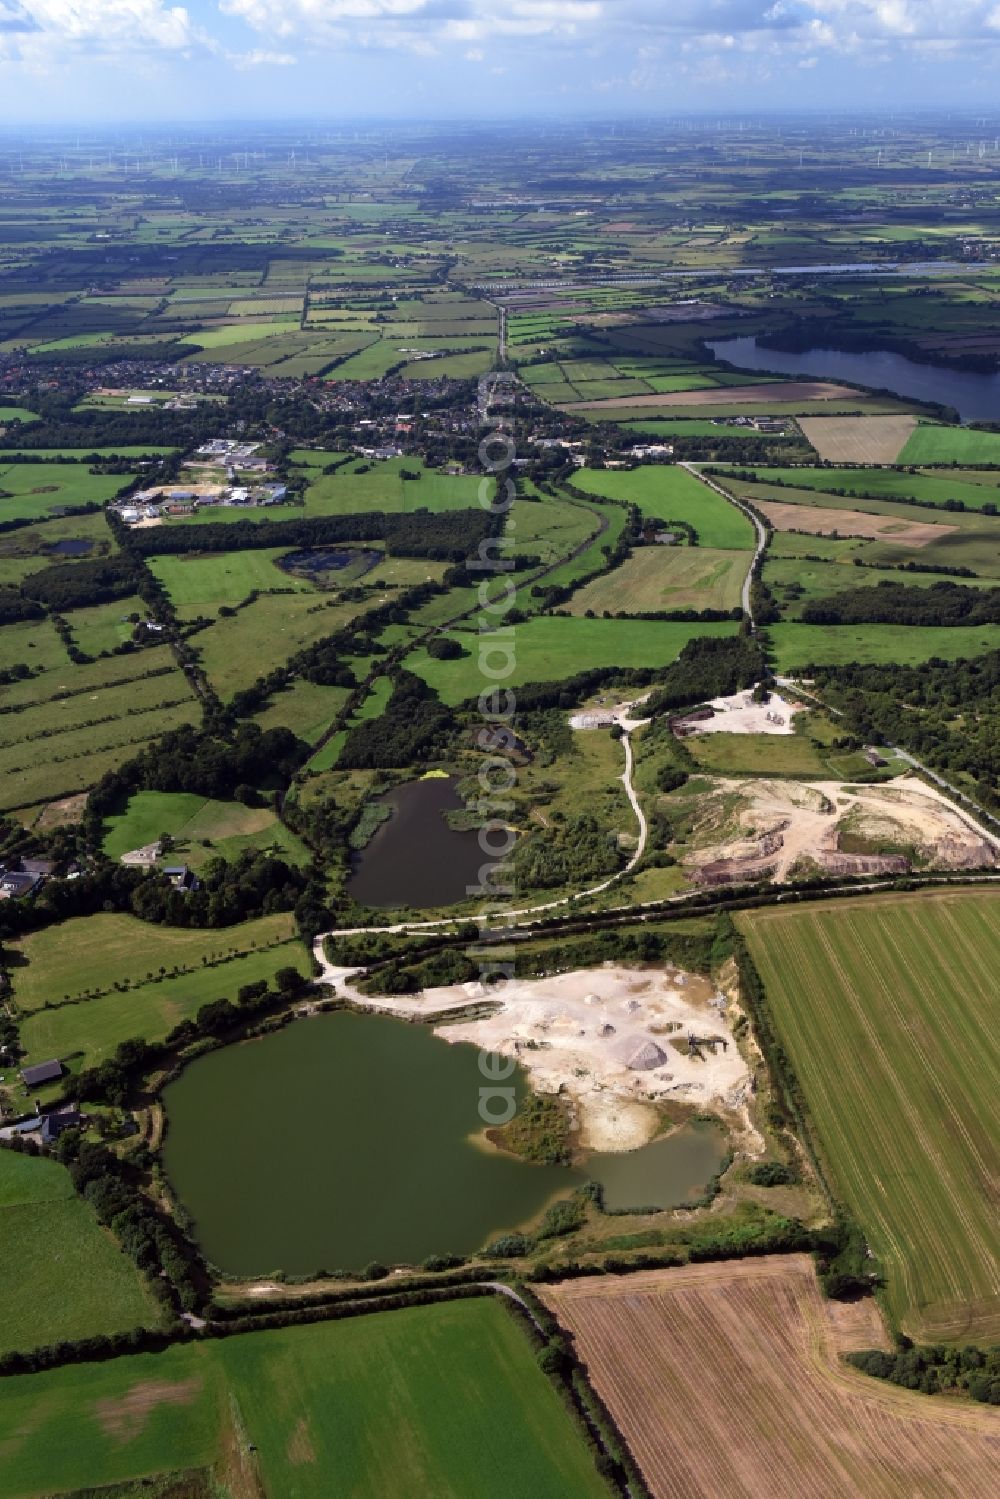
[664,1173]
[71,547]
[319,560]
[415,858]
[975,396]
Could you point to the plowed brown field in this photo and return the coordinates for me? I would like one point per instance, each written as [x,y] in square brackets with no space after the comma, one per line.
[858,439]
[820,521]
[726,1383]
[727,395]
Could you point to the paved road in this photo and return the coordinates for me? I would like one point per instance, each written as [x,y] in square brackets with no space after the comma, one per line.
[756,522]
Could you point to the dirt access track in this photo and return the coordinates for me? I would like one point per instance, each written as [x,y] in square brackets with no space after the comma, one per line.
[815,520]
[725,1380]
[729,395]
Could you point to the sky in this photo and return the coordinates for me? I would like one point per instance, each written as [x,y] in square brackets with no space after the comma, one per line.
[78,60]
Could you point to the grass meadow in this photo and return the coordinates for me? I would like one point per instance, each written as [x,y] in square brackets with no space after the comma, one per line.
[666,492]
[30,491]
[444,1400]
[888,1010]
[889,484]
[88,953]
[794,646]
[382,487]
[660,577]
[553,647]
[931,444]
[61,1275]
[200,827]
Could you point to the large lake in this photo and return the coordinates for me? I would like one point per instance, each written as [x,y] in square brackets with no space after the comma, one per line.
[416,859]
[348,1138]
[976,397]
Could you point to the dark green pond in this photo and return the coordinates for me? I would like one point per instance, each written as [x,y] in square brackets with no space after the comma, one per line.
[416,858]
[348,1138]
[664,1173]
[340,1140]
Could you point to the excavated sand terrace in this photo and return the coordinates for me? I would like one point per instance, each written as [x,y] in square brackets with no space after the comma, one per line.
[808,815]
[578,1032]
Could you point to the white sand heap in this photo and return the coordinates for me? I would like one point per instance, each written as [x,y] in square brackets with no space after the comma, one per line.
[615,1040]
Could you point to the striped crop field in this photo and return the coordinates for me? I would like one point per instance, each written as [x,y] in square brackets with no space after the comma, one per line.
[726,1382]
[889,1011]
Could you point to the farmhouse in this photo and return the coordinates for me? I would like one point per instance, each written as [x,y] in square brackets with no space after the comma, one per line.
[48,1127]
[181,877]
[42,1072]
[16,884]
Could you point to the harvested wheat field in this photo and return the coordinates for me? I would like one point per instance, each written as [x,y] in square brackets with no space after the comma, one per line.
[726,1382]
[728,395]
[815,520]
[858,439]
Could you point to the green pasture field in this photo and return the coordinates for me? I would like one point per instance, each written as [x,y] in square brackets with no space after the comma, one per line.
[194,821]
[104,627]
[35,542]
[200,584]
[665,577]
[888,1009]
[372,707]
[305,708]
[248,330]
[931,444]
[348,492]
[884,483]
[665,492]
[34,642]
[552,647]
[370,363]
[31,491]
[62,1276]
[794,646]
[58,757]
[549,528]
[444,1400]
[84,954]
[821,580]
[235,651]
[591,559]
[87,1033]
[757,755]
[464,366]
[79,456]
[17,414]
[679,427]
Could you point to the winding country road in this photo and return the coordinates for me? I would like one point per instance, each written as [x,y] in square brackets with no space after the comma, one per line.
[755,521]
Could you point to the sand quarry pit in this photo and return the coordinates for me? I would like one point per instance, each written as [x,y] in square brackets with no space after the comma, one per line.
[769,829]
[614,1040]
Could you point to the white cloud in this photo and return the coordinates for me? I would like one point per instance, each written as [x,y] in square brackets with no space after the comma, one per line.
[112,25]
